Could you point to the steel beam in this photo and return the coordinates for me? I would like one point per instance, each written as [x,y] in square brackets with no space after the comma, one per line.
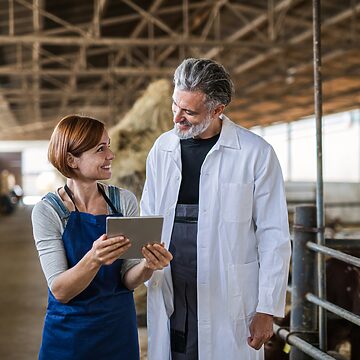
[320,214]
[303,314]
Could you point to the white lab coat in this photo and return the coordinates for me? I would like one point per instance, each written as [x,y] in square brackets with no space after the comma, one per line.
[243,246]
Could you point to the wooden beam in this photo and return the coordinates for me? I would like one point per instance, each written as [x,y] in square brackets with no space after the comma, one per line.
[37,24]
[306,35]
[56,19]
[118,71]
[250,27]
[126,42]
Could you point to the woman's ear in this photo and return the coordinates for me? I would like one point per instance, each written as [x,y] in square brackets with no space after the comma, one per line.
[71,160]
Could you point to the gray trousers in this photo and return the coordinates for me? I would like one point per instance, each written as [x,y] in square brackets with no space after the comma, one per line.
[183,322]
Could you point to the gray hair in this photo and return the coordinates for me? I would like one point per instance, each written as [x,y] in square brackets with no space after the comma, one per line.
[206,76]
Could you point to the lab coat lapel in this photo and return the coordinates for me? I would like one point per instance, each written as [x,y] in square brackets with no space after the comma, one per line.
[172,145]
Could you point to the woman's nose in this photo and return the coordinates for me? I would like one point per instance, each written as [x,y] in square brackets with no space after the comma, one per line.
[111,155]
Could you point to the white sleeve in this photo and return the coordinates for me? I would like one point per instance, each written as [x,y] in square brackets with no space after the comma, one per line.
[129,206]
[147,203]
[272,234]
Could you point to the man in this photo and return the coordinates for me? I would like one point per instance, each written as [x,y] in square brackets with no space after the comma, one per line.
[220,190]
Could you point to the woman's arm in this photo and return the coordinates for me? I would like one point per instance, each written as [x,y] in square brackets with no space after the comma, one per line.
[76,279]
[156,257]
[137,275]
[63,282]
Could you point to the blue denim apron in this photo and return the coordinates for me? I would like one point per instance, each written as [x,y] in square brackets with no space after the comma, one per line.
[100,322]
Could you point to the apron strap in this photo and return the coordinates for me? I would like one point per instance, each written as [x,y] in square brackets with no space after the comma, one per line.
[57,204]
[102,192]
[115,198]
[70,195]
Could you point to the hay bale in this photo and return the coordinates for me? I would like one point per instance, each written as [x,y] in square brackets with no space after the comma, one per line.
[133,136]
[131,140]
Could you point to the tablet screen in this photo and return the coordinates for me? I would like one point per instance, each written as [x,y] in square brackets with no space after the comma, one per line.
[140,230]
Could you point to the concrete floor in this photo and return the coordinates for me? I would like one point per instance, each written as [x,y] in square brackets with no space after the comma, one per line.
[23,290]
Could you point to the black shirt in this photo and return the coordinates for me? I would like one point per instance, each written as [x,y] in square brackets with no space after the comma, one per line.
[193,153]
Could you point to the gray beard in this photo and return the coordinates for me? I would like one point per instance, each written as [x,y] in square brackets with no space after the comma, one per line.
[194,131]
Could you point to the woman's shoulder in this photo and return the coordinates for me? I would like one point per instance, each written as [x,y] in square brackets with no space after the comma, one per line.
[45,203]
[127,194]
[119,190]
[128,200]
[50,204]
[46,208]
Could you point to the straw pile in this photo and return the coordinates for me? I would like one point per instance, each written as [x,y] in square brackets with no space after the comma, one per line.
[133,136]
[131,140]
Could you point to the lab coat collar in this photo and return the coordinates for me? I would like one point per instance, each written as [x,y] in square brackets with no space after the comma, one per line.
[170,142]
[228,137]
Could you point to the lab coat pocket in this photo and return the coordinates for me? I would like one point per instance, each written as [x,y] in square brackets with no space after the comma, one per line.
[242,289]
[236,201]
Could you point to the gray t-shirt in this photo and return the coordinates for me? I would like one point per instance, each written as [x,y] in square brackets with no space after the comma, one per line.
[48,229]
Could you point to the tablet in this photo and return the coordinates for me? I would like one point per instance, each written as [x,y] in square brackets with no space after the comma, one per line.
[141,230]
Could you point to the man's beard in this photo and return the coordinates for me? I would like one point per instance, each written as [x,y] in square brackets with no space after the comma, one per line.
[194,130]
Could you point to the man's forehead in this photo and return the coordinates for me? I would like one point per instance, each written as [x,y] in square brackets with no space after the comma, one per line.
[190,99]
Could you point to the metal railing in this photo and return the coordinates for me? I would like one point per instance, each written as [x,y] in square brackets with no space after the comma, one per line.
[304,325]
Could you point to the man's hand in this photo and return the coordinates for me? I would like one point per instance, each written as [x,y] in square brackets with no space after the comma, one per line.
[261,330]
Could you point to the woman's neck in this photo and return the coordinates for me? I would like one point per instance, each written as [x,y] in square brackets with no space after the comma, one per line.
[86,195]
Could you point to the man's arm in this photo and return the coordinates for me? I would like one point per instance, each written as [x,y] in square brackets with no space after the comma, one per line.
[272,235]
[273,240]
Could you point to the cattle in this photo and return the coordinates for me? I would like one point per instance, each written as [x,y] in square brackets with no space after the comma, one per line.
[343,289]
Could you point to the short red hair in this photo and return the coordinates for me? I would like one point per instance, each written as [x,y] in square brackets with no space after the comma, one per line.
[74,134]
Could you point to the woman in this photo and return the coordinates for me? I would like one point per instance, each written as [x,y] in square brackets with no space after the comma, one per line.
[91,312]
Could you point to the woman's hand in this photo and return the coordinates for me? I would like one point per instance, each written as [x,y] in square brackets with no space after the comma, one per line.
[76,279]
[106,250]
[156,256]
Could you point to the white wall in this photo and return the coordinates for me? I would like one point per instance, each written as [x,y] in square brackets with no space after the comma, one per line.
[297,156]
[345,194]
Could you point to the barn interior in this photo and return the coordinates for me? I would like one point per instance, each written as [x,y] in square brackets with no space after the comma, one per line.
[114,60]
